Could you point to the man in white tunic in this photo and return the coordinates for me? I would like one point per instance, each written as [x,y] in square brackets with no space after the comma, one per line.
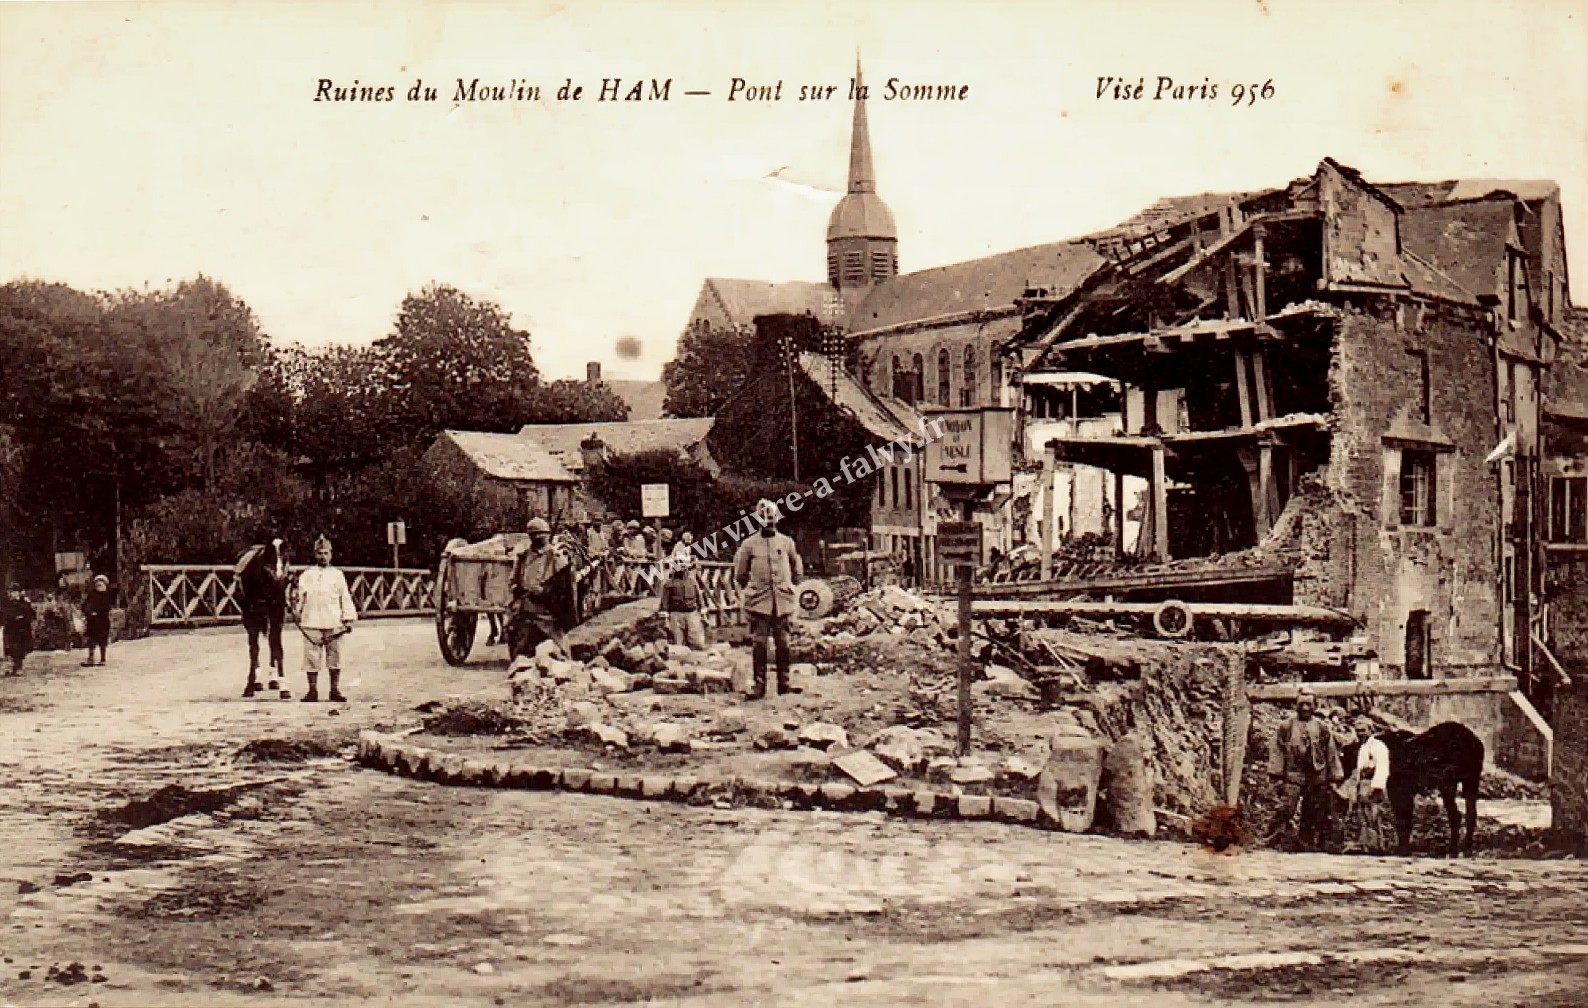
[325,613]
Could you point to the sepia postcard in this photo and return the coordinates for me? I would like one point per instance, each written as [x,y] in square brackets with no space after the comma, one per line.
[809,503]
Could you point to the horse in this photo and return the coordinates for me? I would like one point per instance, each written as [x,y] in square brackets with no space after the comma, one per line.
[1444,758]
[262,576]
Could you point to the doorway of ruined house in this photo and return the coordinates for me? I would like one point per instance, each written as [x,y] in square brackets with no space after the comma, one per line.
[1418,645]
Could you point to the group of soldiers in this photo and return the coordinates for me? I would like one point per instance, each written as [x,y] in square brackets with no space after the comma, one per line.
[767,566]
[1308,761]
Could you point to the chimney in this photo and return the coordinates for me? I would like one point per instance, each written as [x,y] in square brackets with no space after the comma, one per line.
[592,372]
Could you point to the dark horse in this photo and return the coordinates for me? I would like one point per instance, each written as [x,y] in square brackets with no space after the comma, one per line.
[1443,758]
[262,595]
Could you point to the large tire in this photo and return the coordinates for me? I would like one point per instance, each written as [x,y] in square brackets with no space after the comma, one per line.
[1172,619]
[455,634]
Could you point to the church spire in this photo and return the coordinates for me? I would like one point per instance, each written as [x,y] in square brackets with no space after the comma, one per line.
[862,243]
[862,178]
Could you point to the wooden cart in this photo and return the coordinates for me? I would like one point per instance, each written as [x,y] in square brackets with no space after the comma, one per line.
[473,580]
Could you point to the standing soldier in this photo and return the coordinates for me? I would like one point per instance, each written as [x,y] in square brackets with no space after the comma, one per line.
[1306,759]
[325,613]
[766,568]
[96,618]
[540,579]
[18,626]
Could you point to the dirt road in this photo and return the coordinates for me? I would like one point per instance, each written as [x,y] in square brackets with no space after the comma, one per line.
[320,881]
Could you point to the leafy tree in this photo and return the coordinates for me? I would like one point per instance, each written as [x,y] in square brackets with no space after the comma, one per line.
[454,362]
[712,366]
[569,401]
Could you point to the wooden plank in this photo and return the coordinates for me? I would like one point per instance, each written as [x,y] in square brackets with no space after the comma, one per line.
[1160,505]
[1265,397]
[1141,581]
[1386,687]
[1257,612]
[1049,464]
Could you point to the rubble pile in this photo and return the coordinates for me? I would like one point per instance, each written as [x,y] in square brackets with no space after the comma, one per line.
[894,611]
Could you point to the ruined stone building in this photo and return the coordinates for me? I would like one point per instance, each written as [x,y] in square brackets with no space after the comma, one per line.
[1328,392]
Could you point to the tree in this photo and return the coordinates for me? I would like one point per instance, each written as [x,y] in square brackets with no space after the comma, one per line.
[711,367]
[568,401]
[200,350]
[454,362]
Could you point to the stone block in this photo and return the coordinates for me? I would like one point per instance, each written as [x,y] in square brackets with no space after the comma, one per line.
[655,787]
[576,779]
[542,778]
[1016,809]
[629,784]
[899,799]
[974,806]
[685,786]
[823,735]
[864,768]
[837,794]
[603,783]
[925,803]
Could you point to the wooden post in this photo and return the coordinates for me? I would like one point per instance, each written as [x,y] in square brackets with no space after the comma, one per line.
[1264,498]
[1160,506]
[962,574]
[1259,280]
[1119,514]
[1049,464]
[1241,392]
[1265,398]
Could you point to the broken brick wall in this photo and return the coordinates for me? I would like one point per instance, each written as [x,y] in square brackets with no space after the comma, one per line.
[1569,779]
[1386,570]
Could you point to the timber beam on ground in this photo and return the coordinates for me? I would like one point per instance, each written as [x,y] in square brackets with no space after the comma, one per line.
[1294,615]
[1385,687]
[1143,581]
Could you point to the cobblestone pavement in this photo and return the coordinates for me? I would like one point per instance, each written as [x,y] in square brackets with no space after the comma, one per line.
[331,883]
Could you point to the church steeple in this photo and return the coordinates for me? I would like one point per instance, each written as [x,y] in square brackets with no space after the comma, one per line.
[862,243]
[862,177]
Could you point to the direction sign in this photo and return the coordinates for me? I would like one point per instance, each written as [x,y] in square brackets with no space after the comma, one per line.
[959,543]
[396,534]
[653,500]
[974,446]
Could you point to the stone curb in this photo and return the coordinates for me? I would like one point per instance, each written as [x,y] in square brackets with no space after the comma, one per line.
[389,754]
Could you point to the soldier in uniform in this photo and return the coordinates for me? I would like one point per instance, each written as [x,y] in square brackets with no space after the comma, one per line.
[540,591]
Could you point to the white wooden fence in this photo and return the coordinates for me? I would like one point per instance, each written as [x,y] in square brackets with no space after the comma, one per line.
[189,595]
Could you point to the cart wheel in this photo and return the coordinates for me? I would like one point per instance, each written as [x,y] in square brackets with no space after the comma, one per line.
[1172,619]
[455,634]
[815,599]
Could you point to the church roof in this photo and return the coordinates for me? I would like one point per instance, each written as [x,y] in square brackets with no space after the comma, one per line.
[975,285]
[561,441]
[743,300]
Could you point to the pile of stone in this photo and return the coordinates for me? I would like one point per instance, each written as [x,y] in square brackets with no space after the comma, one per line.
[890,610]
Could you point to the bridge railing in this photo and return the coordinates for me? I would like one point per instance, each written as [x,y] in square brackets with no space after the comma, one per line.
[719,595]
[189,595]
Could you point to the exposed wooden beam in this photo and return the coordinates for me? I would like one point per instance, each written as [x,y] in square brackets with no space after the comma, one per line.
[1386,687]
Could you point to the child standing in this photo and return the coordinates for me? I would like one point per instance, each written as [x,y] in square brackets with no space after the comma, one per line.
[96,617]
[681,601]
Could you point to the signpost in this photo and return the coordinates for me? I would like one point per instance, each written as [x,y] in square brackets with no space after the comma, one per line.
[654,503]
[967,461]
[396,537]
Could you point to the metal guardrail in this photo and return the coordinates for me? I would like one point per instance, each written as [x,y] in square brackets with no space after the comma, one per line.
[190,595]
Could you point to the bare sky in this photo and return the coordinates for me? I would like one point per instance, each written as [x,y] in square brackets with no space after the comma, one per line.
[141,143]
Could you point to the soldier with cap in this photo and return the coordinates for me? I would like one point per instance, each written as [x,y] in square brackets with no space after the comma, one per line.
[325,613]
[766,568]
[1306,759]
[539,591]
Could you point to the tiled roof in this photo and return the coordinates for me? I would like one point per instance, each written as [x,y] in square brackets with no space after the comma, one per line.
[1411,194]
[561,441]
[510,457]
[978,284]
[743,300]
[1465,241]
[884,418]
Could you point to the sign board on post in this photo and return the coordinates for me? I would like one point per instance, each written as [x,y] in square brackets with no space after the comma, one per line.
[396,534]
[971,447]
[654,500]
[959,543]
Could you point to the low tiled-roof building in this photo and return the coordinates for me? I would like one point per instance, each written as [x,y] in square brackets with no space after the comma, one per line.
[503,479]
